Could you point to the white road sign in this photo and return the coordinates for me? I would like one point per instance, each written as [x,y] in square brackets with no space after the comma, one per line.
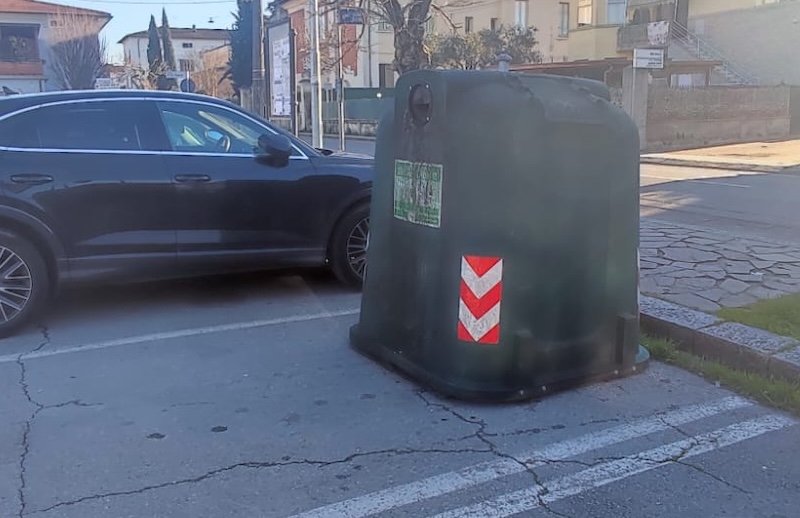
[103,83]
[176,74]
[648,58]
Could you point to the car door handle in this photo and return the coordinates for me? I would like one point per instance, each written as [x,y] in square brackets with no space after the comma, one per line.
[31,178]
[183,178]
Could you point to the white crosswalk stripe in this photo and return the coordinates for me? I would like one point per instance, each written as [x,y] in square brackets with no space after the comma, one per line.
[446,483]
[613,471]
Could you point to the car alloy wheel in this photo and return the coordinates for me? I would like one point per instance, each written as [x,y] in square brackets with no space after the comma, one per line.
[16,285]
[357,245]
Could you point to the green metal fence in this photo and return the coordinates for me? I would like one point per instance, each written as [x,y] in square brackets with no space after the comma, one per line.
[360,104]
[357,109]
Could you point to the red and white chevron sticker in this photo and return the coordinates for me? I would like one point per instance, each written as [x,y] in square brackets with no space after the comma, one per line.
[479,299]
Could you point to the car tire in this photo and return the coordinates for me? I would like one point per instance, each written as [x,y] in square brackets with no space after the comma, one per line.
[348,247]
[23,273]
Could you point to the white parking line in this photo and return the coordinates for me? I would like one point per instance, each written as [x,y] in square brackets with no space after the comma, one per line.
[181,333]
[613,471]
[438,485]
[708,182]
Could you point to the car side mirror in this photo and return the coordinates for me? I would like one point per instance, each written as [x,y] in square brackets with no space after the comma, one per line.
[274,149]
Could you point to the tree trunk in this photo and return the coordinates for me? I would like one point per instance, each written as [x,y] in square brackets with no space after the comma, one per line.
[409,38]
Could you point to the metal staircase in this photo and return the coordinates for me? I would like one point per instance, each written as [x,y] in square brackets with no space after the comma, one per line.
[703,50]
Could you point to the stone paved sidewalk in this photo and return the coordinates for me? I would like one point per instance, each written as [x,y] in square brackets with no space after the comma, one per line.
[752,156]
[706,270]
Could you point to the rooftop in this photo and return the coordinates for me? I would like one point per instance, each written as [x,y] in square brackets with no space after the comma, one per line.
[38,7]
[181,33]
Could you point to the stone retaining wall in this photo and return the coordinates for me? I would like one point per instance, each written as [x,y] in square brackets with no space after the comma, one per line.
[696,117]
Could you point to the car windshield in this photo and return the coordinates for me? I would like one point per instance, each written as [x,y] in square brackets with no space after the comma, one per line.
[232,128]
[238,129]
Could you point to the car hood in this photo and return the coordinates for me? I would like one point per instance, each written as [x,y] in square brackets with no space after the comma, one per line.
[344,154]
[348,154]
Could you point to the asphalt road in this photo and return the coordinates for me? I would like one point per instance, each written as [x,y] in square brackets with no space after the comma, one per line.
[745,203]
[241,397]
[761,205]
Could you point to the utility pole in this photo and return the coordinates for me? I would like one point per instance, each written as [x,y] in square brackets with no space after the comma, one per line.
[258,88]
[316,87]
[292,68]
[339,76]
[368,29]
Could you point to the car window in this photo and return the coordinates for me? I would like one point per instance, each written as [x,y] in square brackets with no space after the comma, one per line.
[20,131]
[185,132]
[111,125]
[196,127]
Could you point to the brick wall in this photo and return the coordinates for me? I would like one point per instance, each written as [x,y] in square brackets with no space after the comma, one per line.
[682,118]
[300,41]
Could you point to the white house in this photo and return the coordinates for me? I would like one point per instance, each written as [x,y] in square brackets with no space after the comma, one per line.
[189,45]
[28,28]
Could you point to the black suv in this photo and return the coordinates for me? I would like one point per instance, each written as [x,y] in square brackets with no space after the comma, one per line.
[133,186]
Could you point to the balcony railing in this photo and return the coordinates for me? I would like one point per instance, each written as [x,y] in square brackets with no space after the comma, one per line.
[704,50]
[17,67]
[7,57]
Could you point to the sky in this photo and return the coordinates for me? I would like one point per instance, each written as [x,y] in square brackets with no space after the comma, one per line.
[134,15]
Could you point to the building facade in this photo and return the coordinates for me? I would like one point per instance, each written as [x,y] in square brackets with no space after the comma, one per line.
[367,50]
[28,30]
[189,45]
[211,78]
[551,18]
[738,34]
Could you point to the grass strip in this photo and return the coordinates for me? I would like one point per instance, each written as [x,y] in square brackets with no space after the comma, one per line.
[780,316]
[775,393]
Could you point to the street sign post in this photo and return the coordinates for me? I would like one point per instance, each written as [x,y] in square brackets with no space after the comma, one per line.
[648,58]
[187,85]
[176,74]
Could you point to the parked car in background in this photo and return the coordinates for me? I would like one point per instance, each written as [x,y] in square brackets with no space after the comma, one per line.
[133,186]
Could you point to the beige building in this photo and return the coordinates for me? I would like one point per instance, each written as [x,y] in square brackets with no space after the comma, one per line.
[367,59]
[28,31]
[602,29]
[703,7]
[189,44]
[211,77]
[551,18]
[593,28]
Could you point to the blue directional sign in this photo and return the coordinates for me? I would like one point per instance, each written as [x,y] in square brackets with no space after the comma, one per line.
[187,85]
[351,16]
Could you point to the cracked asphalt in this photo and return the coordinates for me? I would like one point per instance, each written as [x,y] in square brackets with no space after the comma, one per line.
[240,397]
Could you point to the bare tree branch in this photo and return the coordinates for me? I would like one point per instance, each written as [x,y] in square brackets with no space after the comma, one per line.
[78,52]
[328,41]
[453,26]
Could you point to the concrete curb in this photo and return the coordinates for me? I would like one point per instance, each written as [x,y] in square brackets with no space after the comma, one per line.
[346,136]
[735,345]
[717,165]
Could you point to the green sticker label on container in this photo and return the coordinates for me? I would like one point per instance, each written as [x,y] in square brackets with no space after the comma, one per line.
[418,193]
